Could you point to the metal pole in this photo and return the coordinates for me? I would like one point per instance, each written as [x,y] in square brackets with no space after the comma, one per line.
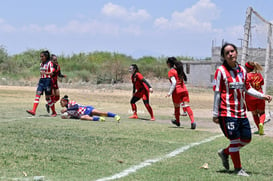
[246,35]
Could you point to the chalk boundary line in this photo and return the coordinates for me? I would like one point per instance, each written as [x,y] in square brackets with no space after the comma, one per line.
[134,168]
[146,163]
[149,162]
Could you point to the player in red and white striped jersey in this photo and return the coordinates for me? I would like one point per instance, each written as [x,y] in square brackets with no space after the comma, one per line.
[229,109]
[255,105]
[77,111]
[44,85]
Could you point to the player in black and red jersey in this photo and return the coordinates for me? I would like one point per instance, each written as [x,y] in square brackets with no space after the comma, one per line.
[55,96]
[141,90]
[44,85]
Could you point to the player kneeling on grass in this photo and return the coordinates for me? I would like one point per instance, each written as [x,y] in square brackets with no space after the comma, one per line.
[77,111]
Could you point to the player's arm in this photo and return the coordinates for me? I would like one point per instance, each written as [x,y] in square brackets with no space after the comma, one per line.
[172,87]
[60,73]
[147,83]
[74,107]
[217,96]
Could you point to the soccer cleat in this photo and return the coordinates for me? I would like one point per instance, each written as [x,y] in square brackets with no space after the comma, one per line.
[193,125]
[31,112]
[241,172]
[102,119]
[117,118]
[53,114]
[134,116]
[47,108]
[153,119]
[224,158]
[175,122]
[261,129]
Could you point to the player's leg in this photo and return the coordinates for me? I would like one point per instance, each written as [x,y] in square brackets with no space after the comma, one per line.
[39,92]
[56,95]
[134,107]
[92,118]
[145,99]
[186,100]
[261,112]
[105,114]
[176,104]
[50,102]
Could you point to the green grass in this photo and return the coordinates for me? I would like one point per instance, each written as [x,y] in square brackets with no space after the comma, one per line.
[70,150]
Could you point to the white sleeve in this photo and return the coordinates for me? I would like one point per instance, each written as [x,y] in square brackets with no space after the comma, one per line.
[173,84]
[253,92]
[216,104]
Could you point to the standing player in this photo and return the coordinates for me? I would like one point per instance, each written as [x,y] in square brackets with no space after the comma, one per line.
[44,85]
[178,90]
[229,109]
[55,88]
[255,105]
[141,90]
[89,113]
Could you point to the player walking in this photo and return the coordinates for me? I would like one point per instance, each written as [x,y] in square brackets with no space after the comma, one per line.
[44,85]
[229,109]
[255,105]
[178,90]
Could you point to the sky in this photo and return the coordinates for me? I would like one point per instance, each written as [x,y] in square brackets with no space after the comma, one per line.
[136,28]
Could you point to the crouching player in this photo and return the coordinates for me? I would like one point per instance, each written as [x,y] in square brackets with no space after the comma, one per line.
[89,113]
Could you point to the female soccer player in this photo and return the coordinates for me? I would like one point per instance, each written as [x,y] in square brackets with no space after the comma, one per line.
[178,90]
[44,85]
[141,90]
[55,74]
[77,111]
[229,109]
[255,105]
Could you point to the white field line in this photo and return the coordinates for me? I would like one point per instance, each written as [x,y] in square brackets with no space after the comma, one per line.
[149,162]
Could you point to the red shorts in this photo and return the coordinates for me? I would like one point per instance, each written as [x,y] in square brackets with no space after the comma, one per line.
[180,97]
[254,104]
[143,94]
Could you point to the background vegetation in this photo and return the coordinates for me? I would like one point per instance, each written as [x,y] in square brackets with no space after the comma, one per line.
[95,67]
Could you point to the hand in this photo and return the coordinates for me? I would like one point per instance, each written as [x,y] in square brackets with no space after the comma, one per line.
[215,120]
[151,90]
[168,95]
[63,111]
[268,98]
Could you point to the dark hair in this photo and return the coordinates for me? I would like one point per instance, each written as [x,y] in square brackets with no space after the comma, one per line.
[135,67]
[178,65]
[46,54]
[53,55]
[65,98]
[223,49]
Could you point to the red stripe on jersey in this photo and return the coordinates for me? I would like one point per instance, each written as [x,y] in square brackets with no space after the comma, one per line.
[46,67]
[231,85]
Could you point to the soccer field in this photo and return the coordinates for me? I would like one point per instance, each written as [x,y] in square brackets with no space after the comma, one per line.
[70,150]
